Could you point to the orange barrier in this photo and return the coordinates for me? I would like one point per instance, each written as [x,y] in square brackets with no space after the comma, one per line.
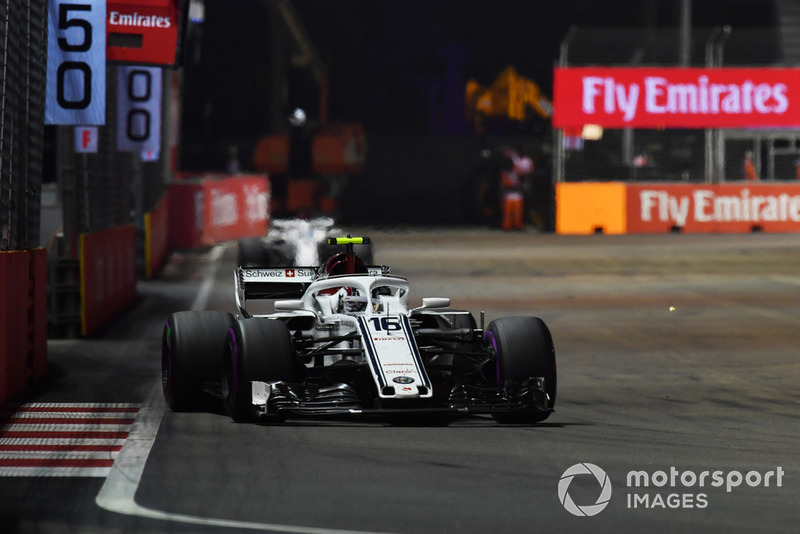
[339,149]
[156,237]
[618,208]
[23,319]
[590,207]
[335,149]
[302,194]
[206,211]
[272,154]
[108,275]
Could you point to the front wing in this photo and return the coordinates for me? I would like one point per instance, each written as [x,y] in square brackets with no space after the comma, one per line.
[282,398]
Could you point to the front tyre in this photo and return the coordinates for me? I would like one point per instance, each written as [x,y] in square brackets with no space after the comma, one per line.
[255,349]
[190,347]
[524,348]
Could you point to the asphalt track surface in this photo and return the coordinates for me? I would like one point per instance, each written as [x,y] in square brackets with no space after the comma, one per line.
[676,354]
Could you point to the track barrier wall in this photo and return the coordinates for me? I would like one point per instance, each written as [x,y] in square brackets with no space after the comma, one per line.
[206,211]
[620,208]
[108,275]
[23,319]
[156,237]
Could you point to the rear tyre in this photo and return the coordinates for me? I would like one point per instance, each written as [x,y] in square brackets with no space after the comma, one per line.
[190,347]
[255,349]
[524,349]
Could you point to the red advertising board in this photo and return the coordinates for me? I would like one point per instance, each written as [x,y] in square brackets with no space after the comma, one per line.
[13,285]
[206,211]
[145,31]
[185,214]
[156,237]
[108,274]
[23,319]
[235,207]
[674,97]
[726,208]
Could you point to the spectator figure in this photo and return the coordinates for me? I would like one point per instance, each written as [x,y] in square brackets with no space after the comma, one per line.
[750,172]
[233,166]
[512,196]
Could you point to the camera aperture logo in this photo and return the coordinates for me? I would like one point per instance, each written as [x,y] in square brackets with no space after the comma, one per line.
[590,509]
[670,488]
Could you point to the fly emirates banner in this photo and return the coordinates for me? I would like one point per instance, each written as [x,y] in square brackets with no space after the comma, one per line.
[674,97]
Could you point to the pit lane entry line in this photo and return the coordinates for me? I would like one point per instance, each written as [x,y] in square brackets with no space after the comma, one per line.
[119,489]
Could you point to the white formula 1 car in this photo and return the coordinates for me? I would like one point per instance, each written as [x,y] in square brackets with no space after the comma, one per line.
[294,242]
[347,343]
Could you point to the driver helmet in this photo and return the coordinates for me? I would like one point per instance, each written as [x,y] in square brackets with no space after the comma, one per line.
[351,300]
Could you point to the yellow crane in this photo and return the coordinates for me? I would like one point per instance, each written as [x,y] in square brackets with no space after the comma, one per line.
[509,96]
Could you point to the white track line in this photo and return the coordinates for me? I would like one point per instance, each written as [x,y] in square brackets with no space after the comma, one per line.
[208,280]
[119,489]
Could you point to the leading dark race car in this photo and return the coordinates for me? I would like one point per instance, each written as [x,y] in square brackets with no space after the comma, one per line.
[348,343]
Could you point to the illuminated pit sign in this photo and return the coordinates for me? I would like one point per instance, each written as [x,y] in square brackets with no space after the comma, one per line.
[145,32]
[671,97]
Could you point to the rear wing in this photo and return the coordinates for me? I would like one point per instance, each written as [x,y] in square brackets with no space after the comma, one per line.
[271,283]
[278,282]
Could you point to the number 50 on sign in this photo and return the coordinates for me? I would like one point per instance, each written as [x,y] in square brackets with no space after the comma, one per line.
[76,62]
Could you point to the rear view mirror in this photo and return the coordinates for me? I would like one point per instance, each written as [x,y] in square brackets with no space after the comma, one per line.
[288,305]
[435,302]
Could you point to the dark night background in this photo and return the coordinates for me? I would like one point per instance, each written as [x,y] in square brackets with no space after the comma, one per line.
[395,66]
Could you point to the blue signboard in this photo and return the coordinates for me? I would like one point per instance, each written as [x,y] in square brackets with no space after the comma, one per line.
[138,108]
[76,63]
